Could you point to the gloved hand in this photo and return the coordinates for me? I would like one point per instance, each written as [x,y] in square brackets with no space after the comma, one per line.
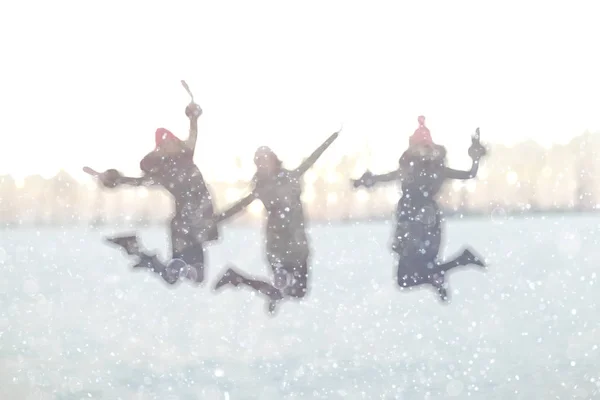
[365,180]
[193,111]
[476,151]
[110,178]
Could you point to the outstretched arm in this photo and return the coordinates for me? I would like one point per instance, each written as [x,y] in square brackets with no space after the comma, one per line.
[193,111]
[112,178]
[389,177]
[145,180]
[236,208]
[316,154]
[450,173]
[368,179]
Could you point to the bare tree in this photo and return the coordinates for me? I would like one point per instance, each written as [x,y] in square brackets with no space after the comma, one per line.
[33,201]
[8,201]
[63,196]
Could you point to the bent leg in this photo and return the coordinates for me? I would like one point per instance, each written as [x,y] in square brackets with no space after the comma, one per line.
[190,266]
[467,257]
[131,245]
[193,257]
[292,278]
[412,272]
[181,237]
[236,278]
[187,252]
[418,272]
[415,271]
[170,272]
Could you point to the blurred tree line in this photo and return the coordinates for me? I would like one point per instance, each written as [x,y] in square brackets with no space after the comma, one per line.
[522,178]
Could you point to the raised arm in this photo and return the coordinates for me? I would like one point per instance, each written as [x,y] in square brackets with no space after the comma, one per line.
[193,111]
[236,208]
[316,154]
[476,152]
[369,180]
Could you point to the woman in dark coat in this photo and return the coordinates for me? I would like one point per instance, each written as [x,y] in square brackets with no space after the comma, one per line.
[422,171]
[171,166]
[287,247]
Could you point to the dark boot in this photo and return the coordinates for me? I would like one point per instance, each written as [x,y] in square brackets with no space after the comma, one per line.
[128,243]
[469,258]
[230,277]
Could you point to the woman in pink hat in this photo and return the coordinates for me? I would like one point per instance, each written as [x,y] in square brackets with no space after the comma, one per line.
[422,172]
[287,248]
[171,166]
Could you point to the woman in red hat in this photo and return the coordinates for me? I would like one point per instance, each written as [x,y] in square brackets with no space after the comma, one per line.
[422,172]
[171,166]
[287,248]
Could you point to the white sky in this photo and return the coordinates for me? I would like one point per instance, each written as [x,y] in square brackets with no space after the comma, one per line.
[87,83]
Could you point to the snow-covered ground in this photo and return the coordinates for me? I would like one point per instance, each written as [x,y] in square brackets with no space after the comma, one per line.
[75,322]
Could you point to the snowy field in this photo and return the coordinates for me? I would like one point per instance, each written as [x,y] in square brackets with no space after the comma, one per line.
[76,323]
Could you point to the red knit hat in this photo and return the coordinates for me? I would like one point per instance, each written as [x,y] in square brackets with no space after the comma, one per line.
[163,135]
[421,135]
